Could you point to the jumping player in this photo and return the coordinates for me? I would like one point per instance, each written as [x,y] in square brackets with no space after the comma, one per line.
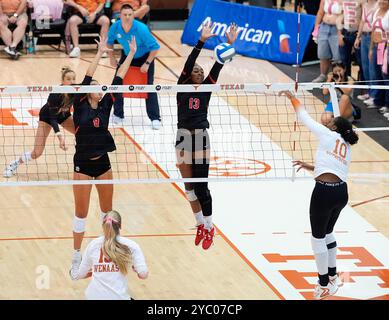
[56,111]
[93,142]
[330,194]
[192,142]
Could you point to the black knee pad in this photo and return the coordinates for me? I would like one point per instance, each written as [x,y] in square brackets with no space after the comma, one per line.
[204,196]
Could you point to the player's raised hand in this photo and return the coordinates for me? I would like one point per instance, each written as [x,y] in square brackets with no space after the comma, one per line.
[206,31]
[132,45]
[102,45]
[233,33]
[287,94]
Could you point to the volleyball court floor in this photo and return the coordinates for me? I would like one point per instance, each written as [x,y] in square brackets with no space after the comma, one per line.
[262,248]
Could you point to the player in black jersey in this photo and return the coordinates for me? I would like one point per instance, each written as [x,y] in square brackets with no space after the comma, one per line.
[56,111]
[192,142]
[93,142]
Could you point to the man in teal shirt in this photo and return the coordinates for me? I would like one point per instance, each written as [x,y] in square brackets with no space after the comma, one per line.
[122,31]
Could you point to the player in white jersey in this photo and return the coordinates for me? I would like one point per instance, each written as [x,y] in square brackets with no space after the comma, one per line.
[107,259]
[330,194]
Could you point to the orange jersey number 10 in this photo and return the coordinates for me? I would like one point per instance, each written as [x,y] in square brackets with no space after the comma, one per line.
[342,150]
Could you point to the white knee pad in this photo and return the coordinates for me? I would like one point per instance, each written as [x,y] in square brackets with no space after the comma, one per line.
[26,157]
[330,238]
[79,225]
[190,195]
[319,245]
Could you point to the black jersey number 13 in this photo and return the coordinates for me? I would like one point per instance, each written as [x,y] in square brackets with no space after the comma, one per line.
[194,103]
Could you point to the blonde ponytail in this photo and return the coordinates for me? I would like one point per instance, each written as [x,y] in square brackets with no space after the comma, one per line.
[118,253]
[68,98]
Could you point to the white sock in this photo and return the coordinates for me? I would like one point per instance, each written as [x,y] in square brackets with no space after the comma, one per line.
[320,251]
[25,157]
[199,218]
[208,222]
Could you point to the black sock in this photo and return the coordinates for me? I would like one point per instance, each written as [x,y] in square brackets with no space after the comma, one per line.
[332,272]
[323,279]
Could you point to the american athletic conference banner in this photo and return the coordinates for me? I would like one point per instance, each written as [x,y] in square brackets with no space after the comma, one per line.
[266,33]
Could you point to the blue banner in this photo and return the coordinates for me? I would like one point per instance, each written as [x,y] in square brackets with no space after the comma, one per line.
[266,33]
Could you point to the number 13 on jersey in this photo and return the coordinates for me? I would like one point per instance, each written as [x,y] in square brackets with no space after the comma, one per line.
[194,103]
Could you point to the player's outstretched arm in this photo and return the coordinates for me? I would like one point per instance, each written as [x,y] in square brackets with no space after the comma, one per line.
[126,64]
[316,128]
[102,48]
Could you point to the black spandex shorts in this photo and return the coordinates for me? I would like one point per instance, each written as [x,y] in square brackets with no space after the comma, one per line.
[327,201]
[192,140]
[92,168]
[61,117]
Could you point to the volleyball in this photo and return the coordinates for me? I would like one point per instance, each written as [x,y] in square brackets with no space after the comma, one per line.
[224,52]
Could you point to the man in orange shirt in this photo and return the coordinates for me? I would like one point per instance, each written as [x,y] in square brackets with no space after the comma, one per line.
[86,11]
[141,8]
[13,12]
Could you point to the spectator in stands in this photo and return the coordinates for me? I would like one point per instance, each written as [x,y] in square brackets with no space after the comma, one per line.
[310,6]
[348,26]
[275,5]
[346,109]
[377,56]
[141,8]
[121,31]
[363,42]
[326,35]
[13,14]
[46,9]
[85,11]
[344,95]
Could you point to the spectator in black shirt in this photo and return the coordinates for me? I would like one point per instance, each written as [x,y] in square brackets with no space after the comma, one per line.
[192,142]
[93,142]
[282,4]
[56,111]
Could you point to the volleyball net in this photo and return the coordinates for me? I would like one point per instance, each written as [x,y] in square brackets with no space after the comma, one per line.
[254,134]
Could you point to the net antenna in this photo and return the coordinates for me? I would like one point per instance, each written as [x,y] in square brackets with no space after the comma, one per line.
[298,45]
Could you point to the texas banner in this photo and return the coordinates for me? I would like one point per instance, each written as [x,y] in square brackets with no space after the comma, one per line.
[265,33]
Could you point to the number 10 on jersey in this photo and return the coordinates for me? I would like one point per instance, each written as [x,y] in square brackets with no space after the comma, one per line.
[342,150]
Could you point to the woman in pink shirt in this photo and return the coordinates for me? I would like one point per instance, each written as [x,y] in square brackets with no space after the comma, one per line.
[347,25]
[326,34]
[363,42]
[380,28]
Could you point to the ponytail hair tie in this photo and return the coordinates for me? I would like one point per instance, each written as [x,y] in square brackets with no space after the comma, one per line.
[110,220]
